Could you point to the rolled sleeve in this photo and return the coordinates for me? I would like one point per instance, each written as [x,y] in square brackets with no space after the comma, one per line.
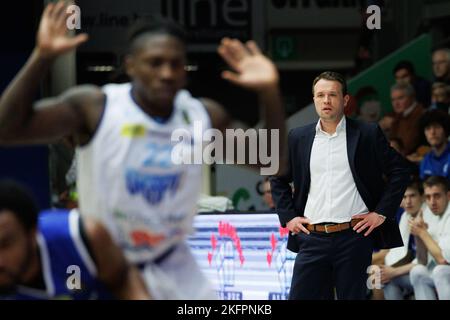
[444,244]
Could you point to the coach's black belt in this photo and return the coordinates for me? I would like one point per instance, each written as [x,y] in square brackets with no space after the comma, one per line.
[332,227]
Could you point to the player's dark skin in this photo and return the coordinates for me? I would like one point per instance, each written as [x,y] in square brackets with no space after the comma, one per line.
[20,262]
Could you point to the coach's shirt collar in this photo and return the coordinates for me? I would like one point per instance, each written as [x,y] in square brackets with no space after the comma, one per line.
[340,128]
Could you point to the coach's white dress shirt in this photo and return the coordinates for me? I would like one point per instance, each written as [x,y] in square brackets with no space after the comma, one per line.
[333,196]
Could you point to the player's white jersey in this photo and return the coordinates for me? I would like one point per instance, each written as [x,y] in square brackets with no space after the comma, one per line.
[126,176]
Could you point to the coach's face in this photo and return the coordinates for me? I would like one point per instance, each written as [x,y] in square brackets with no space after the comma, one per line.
[329,100]
[15,251]
[157,69]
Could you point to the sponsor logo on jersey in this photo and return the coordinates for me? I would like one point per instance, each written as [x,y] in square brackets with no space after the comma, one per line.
[133,131]
[151,186]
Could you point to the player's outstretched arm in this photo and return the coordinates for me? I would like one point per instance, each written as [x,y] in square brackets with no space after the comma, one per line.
[23,121]
[123,279]
[252,70]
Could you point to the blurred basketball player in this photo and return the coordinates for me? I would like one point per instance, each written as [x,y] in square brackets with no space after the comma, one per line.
[125,174]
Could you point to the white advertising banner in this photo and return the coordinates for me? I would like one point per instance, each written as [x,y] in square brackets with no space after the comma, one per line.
[244,255]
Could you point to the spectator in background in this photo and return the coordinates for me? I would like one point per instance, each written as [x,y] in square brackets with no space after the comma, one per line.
[404,72]
[432,280]
[369,105]
[267,194]
[397,144]
[397,262]
[441,65]
[436,127]
[440,96]
[386,124]
[407,115]
[68,198]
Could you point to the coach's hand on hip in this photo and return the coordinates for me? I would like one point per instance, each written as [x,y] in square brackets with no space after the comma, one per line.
[369,220]
[296,226]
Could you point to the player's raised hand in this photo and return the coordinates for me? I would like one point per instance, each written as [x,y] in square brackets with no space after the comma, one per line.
[251,69]
[52,37]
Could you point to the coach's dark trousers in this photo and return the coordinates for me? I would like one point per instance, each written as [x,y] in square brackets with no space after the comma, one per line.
[331,261]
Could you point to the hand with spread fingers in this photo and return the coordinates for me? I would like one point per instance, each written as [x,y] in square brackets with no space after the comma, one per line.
[52,38]
[296,225]
[251,69]
[369,221]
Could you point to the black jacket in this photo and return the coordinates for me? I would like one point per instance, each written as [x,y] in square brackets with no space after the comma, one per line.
[372,163]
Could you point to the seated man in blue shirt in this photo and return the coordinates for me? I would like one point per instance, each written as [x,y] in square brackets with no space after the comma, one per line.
[436,127]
